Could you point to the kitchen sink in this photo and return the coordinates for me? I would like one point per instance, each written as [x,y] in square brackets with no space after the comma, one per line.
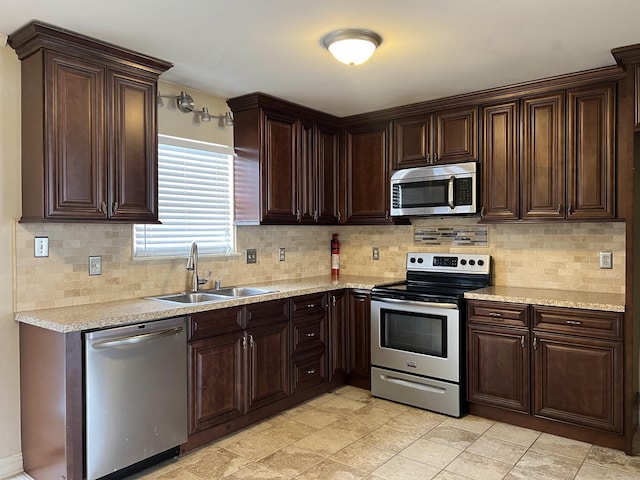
[214,295]
[240,291]
[191,297]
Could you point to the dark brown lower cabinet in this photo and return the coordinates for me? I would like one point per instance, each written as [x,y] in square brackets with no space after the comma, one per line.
[338,336]
[360,338]
[578,380]
[498,366]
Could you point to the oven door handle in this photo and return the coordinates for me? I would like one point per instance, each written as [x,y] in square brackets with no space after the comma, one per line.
[450,306]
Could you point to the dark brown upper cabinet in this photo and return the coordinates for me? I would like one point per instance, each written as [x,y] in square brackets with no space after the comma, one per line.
[286,166]
[442,137]
[89,129]
[560,166]
[367,174]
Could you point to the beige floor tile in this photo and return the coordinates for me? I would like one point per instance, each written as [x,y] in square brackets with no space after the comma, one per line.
[372,415]
[444,475]
[402,468]
[616,459]
[342,405]
[477,467]
[315,417]
[216,463]
[471,423]
[431,453]
[349,428]
[354,393]
[233,438]
[589,471]
[291,460]
[561,446]
[389,405]
[519,473]
[513,434]
[256,446]
[497,449]
[389,439]
[329,470]
[362,456]
[256,471]
[180,473]
[416,423]
[549,464]
[451,436]
[323,442]
[289,431]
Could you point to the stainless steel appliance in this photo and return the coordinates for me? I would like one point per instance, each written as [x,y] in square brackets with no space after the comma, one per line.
[417,331]
[435,190]
[136,394]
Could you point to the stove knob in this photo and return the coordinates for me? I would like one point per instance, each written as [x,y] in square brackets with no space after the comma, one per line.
[412,259]
[481,262]
[472,262]
[463,262]
[420,260]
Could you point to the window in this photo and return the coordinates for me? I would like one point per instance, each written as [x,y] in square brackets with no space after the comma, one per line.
[195,200]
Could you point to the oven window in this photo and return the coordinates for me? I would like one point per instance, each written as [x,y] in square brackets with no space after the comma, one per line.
[414,332]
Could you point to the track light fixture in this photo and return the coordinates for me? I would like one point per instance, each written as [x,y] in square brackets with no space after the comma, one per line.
[184,103]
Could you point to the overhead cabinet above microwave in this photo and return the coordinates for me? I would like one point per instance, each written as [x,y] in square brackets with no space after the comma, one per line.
[89,134]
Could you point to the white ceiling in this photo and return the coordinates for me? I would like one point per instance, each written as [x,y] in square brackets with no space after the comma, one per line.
[431,48]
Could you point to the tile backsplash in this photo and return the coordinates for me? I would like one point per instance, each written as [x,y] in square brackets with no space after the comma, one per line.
[559,256]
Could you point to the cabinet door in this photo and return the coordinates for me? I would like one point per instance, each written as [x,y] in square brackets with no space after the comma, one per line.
[498,367]
[338,334]
[578,380]
[268,364]
[367,174]
[412,142]
[216,380]
[327,178]
[307,174]
[279,169]
[543,161]
[76,166]
[133,175]
[456,136]
[590,153]
[360,338]
[500,172]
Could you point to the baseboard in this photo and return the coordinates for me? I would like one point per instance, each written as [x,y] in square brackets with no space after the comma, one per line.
[11,466]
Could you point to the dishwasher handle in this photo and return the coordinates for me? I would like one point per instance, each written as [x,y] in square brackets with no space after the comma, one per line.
[135,339]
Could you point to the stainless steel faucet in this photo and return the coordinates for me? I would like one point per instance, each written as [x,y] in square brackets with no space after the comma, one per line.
[192,266]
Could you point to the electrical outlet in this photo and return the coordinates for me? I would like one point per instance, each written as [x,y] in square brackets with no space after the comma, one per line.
[252,255]
[606,260]
[41,247]
[375,253]
[95,265]
[281,254]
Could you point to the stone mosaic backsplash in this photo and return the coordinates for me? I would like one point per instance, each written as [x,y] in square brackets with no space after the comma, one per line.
[463,235]
[558,256]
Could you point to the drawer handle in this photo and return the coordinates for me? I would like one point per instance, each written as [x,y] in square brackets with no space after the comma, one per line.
[311,305]
[495,315]
[311,372]
[573,322]
[311,335]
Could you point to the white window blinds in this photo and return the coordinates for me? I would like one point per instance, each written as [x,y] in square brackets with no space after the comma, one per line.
[195,200]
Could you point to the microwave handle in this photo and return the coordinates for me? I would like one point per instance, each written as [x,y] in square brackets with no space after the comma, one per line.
[451,199]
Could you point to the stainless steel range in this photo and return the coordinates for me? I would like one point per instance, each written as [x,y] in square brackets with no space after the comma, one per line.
[417,331]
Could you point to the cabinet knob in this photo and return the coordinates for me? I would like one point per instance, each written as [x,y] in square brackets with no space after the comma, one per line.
[298,215]
[244,342]
[428,158]
[315,216]
[482,212]
[311,335]
[339,217]
[103,208]
[435,157]
[535,343]
[559,208]
[570,209]
[333,300]
[251,341]
[311,372]
[522,341]
[115,207]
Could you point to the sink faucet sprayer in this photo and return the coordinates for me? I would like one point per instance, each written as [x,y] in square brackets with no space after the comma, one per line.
[192,266]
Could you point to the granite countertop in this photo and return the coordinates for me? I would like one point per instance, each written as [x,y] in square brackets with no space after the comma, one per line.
[553,298]
[122,312]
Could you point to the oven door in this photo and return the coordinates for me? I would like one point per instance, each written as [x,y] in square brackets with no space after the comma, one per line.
[421,338]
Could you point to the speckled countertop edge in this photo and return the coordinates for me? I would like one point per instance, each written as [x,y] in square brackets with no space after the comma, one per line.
[551,298]
[122,312]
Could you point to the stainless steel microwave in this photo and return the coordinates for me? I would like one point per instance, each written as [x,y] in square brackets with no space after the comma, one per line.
[435,190]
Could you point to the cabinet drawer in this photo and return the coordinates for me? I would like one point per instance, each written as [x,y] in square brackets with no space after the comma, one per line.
[308,371]
[214,322]
[313,304]
[587,323]
[308,334]
[498,313]
[265,313]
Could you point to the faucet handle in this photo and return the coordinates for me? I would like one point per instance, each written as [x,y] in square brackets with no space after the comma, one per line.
[205,280]
[217,284]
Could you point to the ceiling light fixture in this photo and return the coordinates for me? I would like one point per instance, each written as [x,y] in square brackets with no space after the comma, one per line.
[352,46]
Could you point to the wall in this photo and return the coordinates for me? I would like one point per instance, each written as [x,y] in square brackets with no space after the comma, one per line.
[10,457]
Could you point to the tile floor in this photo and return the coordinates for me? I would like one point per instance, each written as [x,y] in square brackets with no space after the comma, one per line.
[347,434]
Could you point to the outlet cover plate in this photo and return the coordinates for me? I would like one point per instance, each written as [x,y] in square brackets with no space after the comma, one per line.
[281,254]
[375,253]
[606,260]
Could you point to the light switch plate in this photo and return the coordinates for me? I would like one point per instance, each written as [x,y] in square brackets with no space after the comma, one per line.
[252,255]
[41,247]
[95,265]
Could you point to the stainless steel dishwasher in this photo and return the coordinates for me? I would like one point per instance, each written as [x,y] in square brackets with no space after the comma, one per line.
[135,394]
